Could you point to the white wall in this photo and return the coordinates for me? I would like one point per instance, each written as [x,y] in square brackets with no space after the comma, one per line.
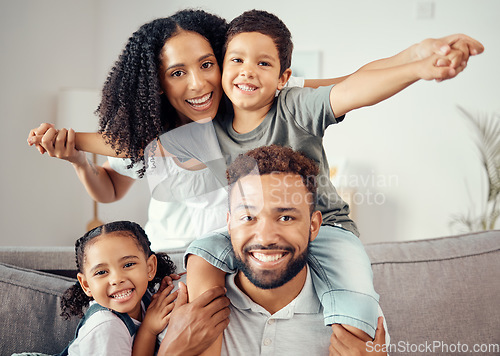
[411,155]
[47,45]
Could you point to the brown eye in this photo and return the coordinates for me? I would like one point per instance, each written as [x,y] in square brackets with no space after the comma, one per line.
[207,65]
[176,73]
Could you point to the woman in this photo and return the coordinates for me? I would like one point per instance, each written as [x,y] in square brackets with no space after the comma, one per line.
[168,75]
[153,88]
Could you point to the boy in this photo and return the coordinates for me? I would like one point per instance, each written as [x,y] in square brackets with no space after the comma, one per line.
[256,63]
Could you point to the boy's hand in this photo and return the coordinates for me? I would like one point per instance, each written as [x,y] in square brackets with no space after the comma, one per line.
[458,48]
[436,67]
[35,135]
[158,313]
[60,144]
[343,343]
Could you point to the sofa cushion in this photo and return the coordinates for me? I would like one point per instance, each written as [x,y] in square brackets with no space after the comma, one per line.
[25,289]
[441,293]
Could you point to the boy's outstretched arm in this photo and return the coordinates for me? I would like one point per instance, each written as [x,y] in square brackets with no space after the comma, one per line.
[201,276]
[44,138]
[102,183]
[370,87]
[92,142]
[461,45]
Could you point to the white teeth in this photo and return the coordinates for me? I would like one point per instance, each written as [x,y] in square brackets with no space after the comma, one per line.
[201,100]
[122,295]
[246,87]
[267,258]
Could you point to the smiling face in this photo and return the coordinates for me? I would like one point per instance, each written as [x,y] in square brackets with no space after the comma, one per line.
[117,272]
[251,71]
[271,224]
[190,76]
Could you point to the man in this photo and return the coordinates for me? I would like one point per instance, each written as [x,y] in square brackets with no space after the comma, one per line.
[271,221]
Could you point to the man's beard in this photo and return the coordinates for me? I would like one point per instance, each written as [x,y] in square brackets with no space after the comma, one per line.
[270,279]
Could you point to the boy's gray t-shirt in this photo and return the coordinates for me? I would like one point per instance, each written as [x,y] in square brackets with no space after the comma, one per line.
[297,119]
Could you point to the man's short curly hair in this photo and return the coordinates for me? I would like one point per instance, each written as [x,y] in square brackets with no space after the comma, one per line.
[132,112]
[274,159]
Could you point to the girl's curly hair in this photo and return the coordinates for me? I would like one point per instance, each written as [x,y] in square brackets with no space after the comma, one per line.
[132,112]
[74,299]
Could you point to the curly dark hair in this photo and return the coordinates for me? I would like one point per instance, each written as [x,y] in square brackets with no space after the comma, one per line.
[274,159]
[268,24]
[74,298]
[132,112]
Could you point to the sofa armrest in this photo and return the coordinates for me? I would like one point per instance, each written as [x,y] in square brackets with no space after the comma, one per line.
[30,311]
[440,292]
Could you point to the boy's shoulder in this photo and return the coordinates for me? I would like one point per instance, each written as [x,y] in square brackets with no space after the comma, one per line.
[291,93]
[296,100]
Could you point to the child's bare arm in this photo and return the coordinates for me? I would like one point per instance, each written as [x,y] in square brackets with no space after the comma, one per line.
[315,83]
[94,142]
[156,319]
[345,340]
[202,276]
[102,183]
[461,45]
[370,87]
[91,142]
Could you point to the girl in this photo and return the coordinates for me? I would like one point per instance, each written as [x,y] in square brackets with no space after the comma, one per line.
[116,270]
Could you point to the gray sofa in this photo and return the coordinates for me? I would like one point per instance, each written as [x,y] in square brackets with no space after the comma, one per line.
[440,296]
